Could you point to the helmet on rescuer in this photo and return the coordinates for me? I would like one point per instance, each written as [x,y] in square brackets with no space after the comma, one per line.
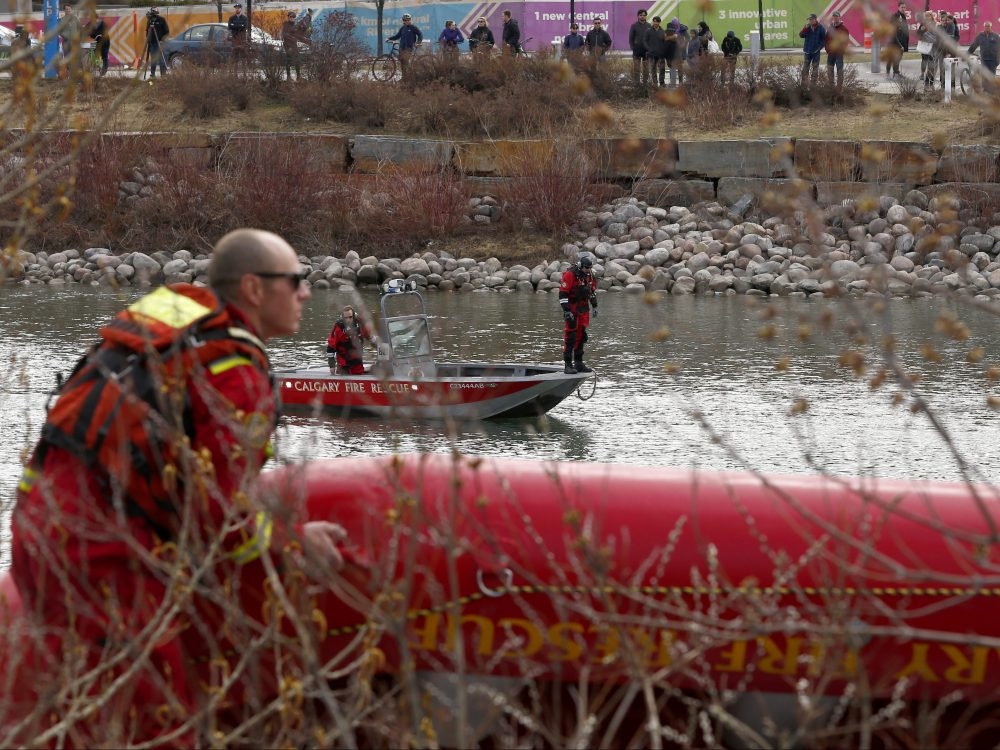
[586,260]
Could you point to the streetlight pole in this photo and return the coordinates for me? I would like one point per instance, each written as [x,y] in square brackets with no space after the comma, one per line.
[760,21]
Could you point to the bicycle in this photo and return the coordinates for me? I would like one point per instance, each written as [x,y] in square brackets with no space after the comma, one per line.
[974,78]
[521,50]
[384,66]
[91,56]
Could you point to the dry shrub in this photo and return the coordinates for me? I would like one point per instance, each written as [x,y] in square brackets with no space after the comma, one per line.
[271,183]
[442,110]
[783,81]
[527,98]
[709,103]
[335,53]
[103,165]
[365,103]
[207,92]
[188,211]
[547,191]
[409,207]
[712,104]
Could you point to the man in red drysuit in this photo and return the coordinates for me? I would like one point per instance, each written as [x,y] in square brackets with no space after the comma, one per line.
[577,296]
[344,344]
[140,496]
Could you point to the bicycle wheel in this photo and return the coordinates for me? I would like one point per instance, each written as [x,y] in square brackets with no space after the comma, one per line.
[384,68]
[965,80]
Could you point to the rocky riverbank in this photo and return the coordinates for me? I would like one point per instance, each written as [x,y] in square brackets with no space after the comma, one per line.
[919,246]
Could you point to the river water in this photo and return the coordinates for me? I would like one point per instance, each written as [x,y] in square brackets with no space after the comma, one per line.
[639,413]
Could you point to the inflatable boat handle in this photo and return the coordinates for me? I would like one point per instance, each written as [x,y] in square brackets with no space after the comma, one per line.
[506,576]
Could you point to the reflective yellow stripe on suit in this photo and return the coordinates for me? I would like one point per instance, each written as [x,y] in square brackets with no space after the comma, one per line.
[28,478]
[251,549]
[220,366]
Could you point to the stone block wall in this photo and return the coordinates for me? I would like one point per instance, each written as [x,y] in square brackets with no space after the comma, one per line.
[661,171]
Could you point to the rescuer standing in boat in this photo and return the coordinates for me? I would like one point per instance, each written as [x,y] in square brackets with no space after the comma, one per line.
[345,343]
[137,509]
[577,296]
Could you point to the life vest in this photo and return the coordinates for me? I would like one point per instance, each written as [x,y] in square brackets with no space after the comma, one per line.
[346,347]
[579,290]
[126,408]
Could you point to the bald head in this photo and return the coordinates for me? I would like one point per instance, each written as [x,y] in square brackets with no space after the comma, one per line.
[244,251]
[259,273]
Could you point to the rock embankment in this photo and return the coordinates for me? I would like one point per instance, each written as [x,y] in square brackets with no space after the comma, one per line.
[916,247]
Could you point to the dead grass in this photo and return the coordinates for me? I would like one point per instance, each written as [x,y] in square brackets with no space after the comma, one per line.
[883,116]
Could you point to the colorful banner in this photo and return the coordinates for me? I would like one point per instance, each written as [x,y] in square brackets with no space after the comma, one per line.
[543,23]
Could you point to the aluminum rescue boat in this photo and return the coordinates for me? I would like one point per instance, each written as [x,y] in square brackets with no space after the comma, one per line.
[407,382]
[515,572]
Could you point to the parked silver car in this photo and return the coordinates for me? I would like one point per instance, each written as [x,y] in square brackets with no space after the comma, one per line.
[211,44]
[7,37]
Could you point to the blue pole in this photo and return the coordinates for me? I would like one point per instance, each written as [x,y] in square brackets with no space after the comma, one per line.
[51,15]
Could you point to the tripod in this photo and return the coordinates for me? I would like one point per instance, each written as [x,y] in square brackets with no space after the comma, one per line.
[145,57]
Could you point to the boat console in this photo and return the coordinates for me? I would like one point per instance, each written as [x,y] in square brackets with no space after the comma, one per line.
[405,349]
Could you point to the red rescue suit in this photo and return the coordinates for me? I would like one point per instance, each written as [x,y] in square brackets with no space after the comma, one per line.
[344,347]
[100,529]
[577,295]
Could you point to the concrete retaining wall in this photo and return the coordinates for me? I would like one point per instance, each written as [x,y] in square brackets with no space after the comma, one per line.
[661,171]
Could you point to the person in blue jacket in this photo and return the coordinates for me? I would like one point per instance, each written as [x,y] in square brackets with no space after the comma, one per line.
[814,35]
[449,40]
[409,38]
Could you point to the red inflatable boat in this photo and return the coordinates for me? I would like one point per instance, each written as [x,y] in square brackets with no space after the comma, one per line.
[587,572]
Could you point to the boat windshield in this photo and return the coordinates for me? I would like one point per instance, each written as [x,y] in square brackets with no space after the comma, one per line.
[409,337]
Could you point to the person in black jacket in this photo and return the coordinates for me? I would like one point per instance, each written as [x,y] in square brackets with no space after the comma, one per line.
[409,38]
[573,47]
[97,30]
[481,38]
[731,47]
[899,42]
[156,31]
[656,52]
[511,34]
[239,33]
[637,43]
[598,41]
[988,44]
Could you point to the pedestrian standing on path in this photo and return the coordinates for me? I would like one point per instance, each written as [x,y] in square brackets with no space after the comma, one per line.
[926,44]
[988,44]
[838,38]
[573,47]
[481,38]
[290,45]
[511,35]
[656,50]
[598,42]
[409,38]
[449,39]
[731,48]
[899,42]
[239,34]
[637,43]
[944,46]
[814,34]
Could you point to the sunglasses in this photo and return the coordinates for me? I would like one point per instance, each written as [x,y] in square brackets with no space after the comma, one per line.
[295,278]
